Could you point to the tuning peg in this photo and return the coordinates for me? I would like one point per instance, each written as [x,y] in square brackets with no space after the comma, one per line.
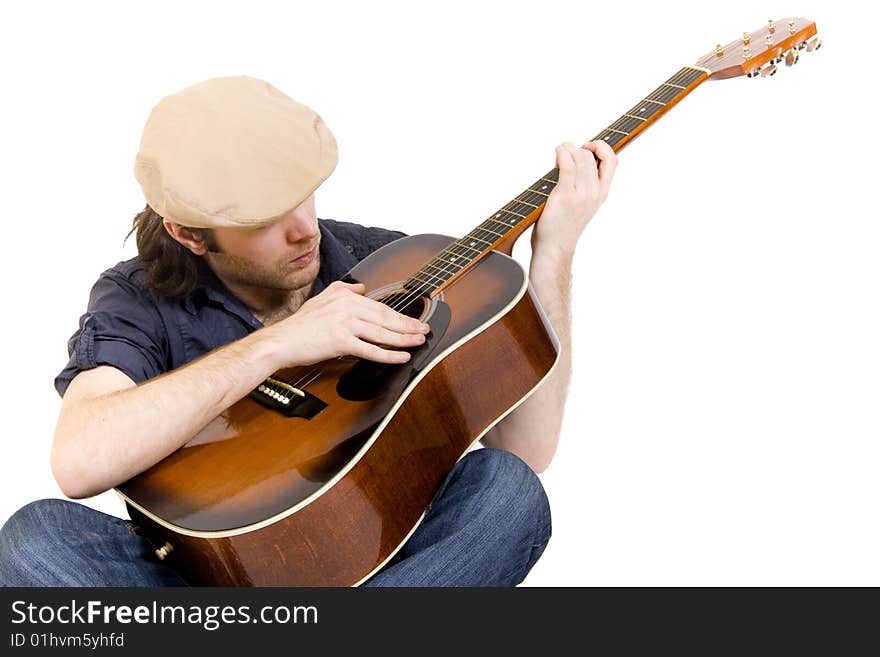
[792,57]
[814,44]
[768,70]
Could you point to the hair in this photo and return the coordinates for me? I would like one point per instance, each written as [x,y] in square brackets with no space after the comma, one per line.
[172,269]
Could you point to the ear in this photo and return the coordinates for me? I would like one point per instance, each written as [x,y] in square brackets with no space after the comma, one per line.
[191,238]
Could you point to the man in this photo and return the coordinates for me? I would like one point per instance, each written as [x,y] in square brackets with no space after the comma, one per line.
[236,278]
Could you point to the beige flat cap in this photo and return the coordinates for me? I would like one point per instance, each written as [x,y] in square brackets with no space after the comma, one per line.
[231,152]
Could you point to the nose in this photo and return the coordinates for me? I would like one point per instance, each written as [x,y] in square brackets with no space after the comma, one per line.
[299,226]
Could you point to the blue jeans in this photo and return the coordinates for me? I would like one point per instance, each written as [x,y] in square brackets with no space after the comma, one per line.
[486,526]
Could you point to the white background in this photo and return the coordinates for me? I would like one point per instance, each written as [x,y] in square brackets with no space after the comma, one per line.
[722,427]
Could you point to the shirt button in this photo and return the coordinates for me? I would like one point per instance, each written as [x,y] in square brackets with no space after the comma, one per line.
[349,248]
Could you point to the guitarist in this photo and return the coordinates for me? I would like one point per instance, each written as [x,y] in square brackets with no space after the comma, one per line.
[235,278]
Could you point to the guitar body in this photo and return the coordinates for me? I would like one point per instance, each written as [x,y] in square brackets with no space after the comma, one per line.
[325,493]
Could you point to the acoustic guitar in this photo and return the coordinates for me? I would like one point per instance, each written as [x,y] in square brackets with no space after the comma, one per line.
[321,474]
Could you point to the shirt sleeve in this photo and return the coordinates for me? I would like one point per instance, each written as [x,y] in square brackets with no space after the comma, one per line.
[121,327]
[373,238]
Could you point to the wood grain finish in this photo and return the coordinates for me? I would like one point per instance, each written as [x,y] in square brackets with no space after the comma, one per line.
[355,509]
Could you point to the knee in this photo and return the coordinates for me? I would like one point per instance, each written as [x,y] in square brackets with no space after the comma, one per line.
[26,540]
[513,494]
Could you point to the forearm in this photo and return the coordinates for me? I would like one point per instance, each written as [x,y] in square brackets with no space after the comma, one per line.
[531,431]
[103,441]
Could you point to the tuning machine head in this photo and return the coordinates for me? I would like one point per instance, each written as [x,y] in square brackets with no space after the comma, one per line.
[768,71]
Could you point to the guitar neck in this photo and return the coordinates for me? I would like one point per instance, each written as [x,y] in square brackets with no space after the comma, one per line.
[514,217]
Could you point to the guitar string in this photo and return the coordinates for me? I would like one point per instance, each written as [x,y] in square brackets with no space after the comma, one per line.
[681,76]
[402,304]
[531,195]
[407,299]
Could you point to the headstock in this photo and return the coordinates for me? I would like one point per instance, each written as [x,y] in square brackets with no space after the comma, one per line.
[757,53]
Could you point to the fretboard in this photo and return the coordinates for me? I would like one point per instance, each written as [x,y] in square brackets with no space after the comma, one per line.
[526,207]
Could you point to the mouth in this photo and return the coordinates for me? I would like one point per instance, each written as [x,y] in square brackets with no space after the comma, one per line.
[307,257]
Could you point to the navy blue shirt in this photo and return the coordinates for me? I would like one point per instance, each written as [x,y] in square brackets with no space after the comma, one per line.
[144,334]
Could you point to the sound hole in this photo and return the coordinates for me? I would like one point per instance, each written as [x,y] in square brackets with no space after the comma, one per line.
[405,303]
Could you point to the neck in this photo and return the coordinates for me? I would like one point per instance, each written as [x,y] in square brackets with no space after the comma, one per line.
[503,227]
[269,305]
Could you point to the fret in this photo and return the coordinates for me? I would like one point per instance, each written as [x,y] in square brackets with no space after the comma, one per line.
[444,275]
[442,265]
[456,245]
[493,232]
[483,230]
[451,260]
[456,257]
[431,279]
[612,140]
[688,75]
[626,125]
[516,206]
[519,200]
[534,196]
[498,222]
[465,246]
[665,94]
[645,109]
[414,287]
[416,278]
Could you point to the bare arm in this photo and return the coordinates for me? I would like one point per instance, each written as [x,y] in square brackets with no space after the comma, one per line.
[110,429]
[531,431]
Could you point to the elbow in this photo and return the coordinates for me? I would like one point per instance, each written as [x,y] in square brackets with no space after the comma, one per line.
[538,462]
[540,467]
[68,471]
[68,482]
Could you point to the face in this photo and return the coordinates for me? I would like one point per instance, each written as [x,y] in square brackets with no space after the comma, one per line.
[265,257]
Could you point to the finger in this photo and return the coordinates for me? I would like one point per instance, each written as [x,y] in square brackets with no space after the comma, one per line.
[379,335]
[382,315]
[586,175]
[354,287]
[369,351]
[567,167]
[607,163]
[603,151]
